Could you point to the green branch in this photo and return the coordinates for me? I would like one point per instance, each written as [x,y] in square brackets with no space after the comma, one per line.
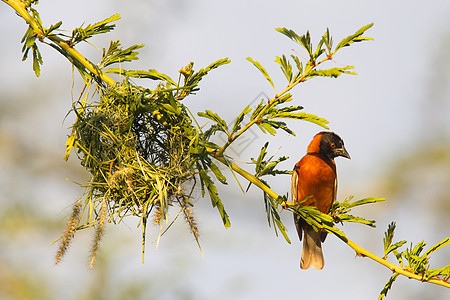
[358,249]
[393,267]
[40,32]
[302,75]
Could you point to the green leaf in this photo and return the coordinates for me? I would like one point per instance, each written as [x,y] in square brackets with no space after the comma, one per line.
[117,55]
[333,72]
[356,37]
[327,40]
[281,227]
[285,113]
[439,245]
[195,78]
[36,16]
[418,248]
[274,217]
[37,60]
[299,65]
[305,41]
[317,219]
[81,34]
[279,125]
[353,219]
[219,175]
[52,28]
[215,117]
[29,35]
[209,145]
[313,119]
[286,67]
[29,42]
[416,263]
[257,110]
[289,33]
[150,74]
[319,50]
[444,273]
[262,70]
[388,237]
[216,201]
[346,205]
[266,127]
[388,286]
[211,131]
[365,201]
[387,241]
[240,118]
[269,167]
[262,155]
[399,257]
[393,247]
[340,210]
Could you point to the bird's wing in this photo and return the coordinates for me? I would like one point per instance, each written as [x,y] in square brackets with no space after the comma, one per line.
[294,195]
[294,185]
[335,190]
[323,234]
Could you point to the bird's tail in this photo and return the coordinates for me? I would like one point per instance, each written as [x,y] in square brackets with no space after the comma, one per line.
[312,250]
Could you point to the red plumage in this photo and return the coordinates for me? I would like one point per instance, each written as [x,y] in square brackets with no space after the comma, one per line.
[315,176]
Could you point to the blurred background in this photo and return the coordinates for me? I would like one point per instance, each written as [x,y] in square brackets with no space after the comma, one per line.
[393,117]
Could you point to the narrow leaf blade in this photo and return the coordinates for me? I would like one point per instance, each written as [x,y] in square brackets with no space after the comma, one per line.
[262,70]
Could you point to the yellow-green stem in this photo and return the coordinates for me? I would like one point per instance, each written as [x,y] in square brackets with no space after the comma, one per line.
[247,176]
[20,8]
[394,268]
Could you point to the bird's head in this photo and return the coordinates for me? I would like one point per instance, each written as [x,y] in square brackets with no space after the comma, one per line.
[328,144]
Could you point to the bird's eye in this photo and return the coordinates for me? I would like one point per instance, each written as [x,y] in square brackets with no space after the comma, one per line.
[333,145]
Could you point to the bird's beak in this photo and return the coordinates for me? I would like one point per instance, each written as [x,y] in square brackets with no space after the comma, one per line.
[342,152]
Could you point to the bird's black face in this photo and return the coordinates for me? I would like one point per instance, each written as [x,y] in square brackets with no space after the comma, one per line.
[332,145]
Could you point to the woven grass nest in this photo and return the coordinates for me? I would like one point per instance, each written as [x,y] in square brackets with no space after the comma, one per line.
[135,142]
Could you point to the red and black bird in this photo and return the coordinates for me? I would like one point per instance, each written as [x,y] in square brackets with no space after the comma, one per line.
[314,176]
